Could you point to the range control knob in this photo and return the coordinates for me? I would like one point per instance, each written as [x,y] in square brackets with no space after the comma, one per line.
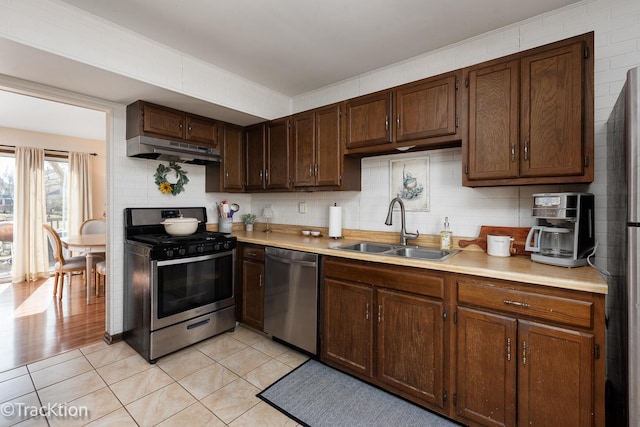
[200,248]
[226,245]
[168,253]
[182,251]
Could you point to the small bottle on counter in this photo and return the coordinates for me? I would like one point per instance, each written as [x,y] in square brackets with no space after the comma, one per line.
[446,237]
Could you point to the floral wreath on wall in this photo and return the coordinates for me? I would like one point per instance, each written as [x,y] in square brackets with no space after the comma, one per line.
[170,179]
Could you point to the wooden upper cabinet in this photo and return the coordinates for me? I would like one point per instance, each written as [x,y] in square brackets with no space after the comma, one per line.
[277,175]
[493,121]
[304,149]
[531,117]
[203,131]
[145,118]
[427,109]
[552,114]
[368,120]
[232,157]
[317,157]
[254,153]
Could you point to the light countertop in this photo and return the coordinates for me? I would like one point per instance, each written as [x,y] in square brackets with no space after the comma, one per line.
[472,262]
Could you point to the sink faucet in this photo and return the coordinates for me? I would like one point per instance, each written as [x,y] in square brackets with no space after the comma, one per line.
[403,233]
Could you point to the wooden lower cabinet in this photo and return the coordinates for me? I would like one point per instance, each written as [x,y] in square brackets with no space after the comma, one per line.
[515,368]
[391,338]
[253,286]
[484,352]
[347,326]
[486,368]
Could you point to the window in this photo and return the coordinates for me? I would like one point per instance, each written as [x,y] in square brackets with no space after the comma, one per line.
[56,172]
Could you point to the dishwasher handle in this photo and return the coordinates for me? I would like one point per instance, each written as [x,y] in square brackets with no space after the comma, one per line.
[292,261]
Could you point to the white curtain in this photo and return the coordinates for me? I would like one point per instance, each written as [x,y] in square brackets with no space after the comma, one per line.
[80,206]
[30,259]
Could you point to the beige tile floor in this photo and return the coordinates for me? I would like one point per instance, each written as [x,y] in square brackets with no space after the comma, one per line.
[212,383]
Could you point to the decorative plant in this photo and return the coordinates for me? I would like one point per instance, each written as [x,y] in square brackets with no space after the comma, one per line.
[170,179]
[249,218]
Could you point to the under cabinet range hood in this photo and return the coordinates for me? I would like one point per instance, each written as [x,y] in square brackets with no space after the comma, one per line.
[147,147]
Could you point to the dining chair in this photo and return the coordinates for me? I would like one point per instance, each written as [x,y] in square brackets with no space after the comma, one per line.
[64,266]
[93,226]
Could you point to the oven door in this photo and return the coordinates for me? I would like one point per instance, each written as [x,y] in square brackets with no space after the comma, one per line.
[189,287]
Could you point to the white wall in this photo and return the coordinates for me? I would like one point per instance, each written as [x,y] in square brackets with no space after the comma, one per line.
[617,39]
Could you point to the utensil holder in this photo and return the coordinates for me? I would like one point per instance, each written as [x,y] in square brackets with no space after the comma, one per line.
[225,225]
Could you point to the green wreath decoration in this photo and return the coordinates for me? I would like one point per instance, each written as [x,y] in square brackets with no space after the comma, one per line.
[164,185]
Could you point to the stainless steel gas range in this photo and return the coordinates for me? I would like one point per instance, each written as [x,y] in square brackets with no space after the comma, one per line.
[178,290]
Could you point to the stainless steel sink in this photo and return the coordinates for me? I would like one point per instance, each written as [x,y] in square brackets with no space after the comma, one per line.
[372,248]
[413,252]
[422,253]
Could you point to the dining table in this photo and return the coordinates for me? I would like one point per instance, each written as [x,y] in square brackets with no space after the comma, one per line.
[88,244]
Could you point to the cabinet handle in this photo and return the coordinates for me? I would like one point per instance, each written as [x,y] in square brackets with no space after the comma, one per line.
[379,313]
[260,280]
[524,352]
[513,152]
[315,171]
[310,169]
[226,175]
[509,349]
[516,303]
[386,122]
[189,130]
[398,121]
[526,149]
[260,174]
[266,174]
[366,313]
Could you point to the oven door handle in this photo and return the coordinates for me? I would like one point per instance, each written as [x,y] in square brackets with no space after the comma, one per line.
[193,259]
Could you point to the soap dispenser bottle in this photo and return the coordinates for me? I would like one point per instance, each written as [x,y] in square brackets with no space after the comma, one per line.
[446,237]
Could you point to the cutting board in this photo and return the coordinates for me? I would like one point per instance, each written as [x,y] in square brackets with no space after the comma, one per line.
[518,233]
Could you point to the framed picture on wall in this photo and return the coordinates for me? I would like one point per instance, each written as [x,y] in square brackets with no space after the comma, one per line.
[410,182]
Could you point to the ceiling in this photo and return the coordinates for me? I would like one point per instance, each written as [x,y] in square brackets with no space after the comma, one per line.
[289,46]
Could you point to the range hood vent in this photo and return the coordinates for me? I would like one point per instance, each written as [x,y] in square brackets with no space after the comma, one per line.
[147,147]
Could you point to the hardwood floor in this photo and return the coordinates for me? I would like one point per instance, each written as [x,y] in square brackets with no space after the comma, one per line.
[34,324]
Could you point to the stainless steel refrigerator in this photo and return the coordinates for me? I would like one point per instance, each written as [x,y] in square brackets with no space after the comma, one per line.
[623,264]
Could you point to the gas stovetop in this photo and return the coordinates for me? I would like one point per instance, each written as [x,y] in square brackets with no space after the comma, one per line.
[143,226]
[201,237]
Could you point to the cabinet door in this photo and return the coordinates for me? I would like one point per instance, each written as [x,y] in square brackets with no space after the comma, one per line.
[202,131]
[486,368]
[232,157]
[426,110]
[163,122]
[555,377]
[552,105]
[410,344]
[328,153]
[254,157]
[368,120]
[277,167]
[493,122]
[304,159]
[347,326]
[253,294]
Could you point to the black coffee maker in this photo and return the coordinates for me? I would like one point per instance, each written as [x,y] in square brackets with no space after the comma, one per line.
[564,234]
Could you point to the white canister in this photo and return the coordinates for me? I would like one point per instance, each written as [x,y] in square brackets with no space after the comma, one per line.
[499,245]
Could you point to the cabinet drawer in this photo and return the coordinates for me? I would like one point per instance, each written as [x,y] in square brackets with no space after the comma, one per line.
[253,252]
[408,279]
[540,306]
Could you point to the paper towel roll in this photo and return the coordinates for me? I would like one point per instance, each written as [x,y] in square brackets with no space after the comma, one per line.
[335,221]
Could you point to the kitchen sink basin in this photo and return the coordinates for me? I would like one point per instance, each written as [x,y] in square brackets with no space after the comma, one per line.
[413,252]
[422,253]
[371,248]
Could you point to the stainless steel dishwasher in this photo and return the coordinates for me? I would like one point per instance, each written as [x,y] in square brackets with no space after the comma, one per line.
[291,297]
